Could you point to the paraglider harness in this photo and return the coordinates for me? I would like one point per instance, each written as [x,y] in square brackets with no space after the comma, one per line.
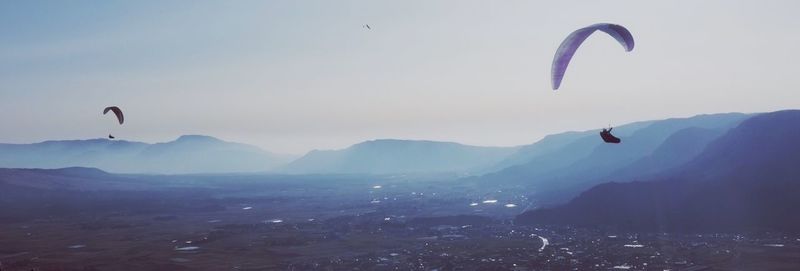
[608,137]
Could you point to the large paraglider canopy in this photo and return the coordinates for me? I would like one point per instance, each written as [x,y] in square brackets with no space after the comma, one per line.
[568,47]
[608,137]
[117,112]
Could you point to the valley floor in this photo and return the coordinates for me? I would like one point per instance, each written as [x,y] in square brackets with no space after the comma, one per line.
[366,224]
[234,241]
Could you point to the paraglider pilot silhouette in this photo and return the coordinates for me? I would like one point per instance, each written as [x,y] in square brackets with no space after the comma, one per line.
[608,137]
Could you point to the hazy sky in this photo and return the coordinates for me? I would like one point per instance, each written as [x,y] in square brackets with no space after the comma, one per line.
[291,76]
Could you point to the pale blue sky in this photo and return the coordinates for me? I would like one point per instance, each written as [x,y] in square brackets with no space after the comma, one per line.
[290,76]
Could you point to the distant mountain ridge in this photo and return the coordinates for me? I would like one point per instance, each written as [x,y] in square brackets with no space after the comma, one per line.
[570,161]
[748,178]
[606,159]
[565,170]
[390,156]
[555,143]
[187,154]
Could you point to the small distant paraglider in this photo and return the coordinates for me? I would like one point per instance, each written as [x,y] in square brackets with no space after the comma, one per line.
[568,47]
[117,113]
[608,137]
[367,27]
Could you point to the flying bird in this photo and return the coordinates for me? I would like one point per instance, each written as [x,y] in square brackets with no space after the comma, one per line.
[367,27]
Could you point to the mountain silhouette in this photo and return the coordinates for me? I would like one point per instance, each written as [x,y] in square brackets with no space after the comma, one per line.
[389,156]
[558,150]
[678,149]
[187,154]
[565,171]
[746,179]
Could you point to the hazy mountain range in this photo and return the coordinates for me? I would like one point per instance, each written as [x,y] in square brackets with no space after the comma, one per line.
[563,165]
[718,171]
[587,159]
[388,156]
[747,177]
[187,154]
[205,154]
